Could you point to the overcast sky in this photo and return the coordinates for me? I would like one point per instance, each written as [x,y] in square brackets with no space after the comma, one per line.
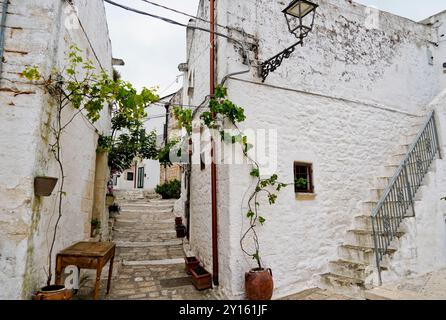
[152,49]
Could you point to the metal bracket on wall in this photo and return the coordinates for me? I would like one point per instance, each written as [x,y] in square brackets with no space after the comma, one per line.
[272,64]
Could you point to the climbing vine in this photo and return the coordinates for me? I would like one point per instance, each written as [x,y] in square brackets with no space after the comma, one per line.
[222,109]
[82,90]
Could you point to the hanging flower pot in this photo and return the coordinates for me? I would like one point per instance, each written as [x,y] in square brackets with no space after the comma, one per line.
[259,284]
[53,293]
[44,186]
[109,200]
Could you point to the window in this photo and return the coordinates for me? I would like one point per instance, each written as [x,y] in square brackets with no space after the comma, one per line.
[129,176]
[303,177]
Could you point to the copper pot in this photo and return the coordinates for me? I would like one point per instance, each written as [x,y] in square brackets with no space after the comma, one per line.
[259,284]
[53,293]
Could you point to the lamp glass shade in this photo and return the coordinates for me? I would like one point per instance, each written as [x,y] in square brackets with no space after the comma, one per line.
[300,8]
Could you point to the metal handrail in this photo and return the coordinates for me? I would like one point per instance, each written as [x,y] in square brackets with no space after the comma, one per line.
[399,195]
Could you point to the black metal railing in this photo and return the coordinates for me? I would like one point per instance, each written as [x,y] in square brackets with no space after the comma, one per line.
[398,198]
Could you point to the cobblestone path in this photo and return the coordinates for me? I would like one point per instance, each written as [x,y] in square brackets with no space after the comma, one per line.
[150,258]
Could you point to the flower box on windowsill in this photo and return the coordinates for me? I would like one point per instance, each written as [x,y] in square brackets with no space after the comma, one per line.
[201,278]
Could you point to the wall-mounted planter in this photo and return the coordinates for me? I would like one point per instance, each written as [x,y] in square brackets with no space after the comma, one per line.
[191,263]
[44,186]
[201,278]
[178,221]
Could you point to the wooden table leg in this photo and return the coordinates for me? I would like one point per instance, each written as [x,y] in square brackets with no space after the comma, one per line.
[98,281]
[58,270]
[110,272]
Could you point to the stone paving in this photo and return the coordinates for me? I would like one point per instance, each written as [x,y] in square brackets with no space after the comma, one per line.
[316,294]
[149,263]
[430,286]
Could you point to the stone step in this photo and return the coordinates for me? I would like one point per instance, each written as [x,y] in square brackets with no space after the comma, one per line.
[145,244]
[364,238]
[385,294]
[149,211]
[408,139]
[332,280]
[389,170]
[144,229]
[360,254]
[163,262]
[349,269]
[364,222]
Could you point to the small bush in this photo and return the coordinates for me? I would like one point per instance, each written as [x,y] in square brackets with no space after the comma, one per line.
[169,190]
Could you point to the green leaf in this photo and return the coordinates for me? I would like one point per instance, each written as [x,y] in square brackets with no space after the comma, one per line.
[272,199]
[255,172]
[250,214]
[262,220]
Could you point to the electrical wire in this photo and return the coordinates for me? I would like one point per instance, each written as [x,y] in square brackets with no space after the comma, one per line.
[181,12]
[168,20]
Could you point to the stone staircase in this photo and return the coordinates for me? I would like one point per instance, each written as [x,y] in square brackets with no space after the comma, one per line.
[357,261]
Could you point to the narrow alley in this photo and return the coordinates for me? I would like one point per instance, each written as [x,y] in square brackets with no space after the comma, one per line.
[150,258]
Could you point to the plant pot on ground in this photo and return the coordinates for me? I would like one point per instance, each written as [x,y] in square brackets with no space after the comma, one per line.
[201,278]
[114,210]
[181,231]
[191,263]
[53,293]
[44,186]
[95,226]
[259,284]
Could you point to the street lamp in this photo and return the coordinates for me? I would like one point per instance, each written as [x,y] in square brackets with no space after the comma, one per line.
[300,16]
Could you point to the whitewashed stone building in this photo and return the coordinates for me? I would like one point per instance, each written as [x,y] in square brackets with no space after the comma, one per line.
[40,33]
[348,103]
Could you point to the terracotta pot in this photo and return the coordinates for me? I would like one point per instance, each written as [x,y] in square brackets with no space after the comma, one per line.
[44,186]
[178,221]
[191,263]
[53,293]
[201,278]
[259,284]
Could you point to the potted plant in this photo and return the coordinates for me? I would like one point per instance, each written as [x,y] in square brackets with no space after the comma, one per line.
[114,210]
[110,199]
[95,226]
[44,186]
[181,231]
[191,263]
[201,278]
[178,221]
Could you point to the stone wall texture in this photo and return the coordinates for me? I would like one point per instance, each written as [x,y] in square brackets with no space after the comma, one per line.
[40,33]
[347,97]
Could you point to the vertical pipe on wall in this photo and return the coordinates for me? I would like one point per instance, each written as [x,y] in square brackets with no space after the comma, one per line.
[3,32]
[213,164]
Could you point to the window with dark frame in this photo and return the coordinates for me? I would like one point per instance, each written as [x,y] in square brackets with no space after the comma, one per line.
[303,177]
[129,176]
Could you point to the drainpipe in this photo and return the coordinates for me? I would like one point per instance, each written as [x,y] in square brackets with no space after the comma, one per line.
[213,164]
[166,138]
[3,33]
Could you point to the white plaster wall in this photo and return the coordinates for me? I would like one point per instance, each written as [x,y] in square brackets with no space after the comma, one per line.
[37,34]
[346,97]
[151,179]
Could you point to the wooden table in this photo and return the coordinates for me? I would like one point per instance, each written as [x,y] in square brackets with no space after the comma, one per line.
[87,255]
